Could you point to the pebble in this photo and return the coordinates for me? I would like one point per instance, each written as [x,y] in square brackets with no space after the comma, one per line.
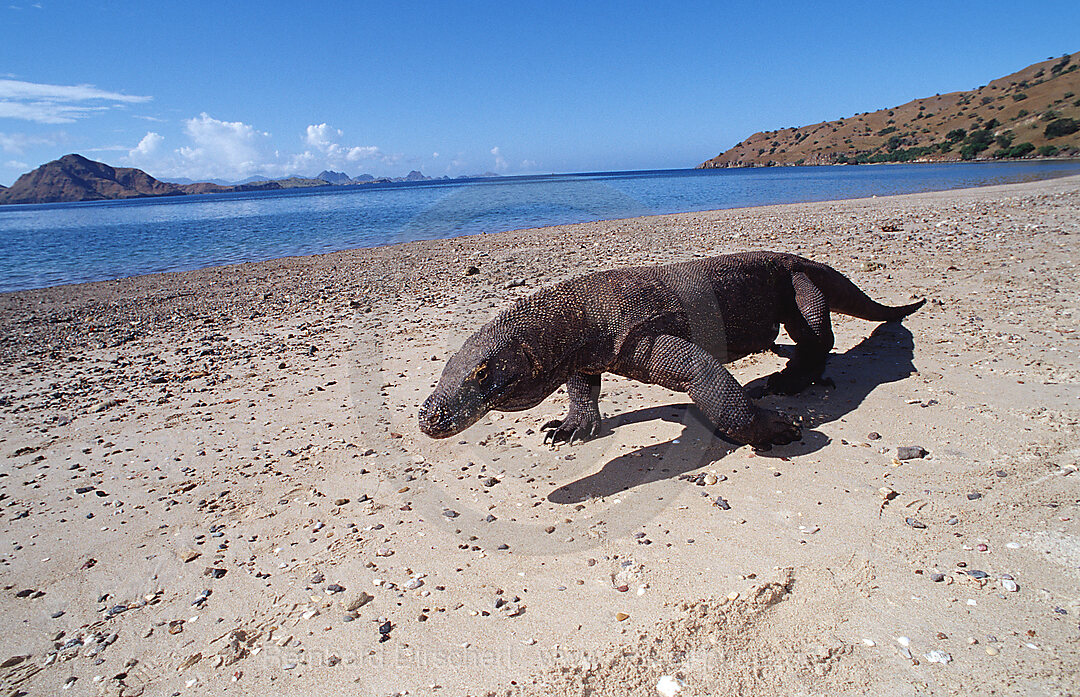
[1009,585]
[668,686]
[952,521]
[911,452]
[621,616]
[733,595]
[873,435]
[973,496]
[915,523]
[340,502]
[991,651]
[450,513]
[938,656]
[710,479]
[722,504]
[414,584]
[977,574]
[937,578]
[334,588]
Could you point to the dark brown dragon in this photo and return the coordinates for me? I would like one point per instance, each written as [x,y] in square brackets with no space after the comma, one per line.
[674,325]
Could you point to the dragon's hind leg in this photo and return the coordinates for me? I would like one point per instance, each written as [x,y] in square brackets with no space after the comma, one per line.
[811,329]
[680,365]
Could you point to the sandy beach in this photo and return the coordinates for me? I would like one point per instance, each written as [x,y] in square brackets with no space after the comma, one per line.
[212,482]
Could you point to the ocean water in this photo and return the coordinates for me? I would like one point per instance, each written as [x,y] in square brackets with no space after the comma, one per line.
[51,244]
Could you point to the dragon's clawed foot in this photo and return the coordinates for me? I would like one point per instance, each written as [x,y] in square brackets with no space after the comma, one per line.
[570,429]
[770,428]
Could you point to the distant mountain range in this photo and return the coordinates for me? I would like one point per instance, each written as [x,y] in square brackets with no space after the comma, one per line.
[1034,112]
[76,178]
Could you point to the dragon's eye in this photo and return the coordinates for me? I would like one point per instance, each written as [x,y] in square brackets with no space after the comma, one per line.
[482,374]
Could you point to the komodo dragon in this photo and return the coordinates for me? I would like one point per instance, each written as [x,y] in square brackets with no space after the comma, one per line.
[673,325]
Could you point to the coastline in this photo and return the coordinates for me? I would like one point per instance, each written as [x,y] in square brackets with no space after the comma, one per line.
[273,402]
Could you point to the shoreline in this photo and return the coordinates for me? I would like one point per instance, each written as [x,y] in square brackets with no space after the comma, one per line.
[215,257]
[395,245]
[213,479]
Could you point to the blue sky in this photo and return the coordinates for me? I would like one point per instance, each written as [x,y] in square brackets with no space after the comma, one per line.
[229,89]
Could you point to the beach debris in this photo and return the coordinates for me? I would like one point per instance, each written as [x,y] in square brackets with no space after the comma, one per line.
[911,452]
[938,656]
[621,616]
[359,601]
[189,661]
[915,523]
[668,686]
[1009,585]
[722,503]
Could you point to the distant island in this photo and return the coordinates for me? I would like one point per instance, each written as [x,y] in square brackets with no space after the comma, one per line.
[1032,113]
[77,178]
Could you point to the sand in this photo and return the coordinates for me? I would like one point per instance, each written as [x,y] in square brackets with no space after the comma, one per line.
[212,482]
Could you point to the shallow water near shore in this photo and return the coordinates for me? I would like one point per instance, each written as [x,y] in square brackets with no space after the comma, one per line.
[53,244]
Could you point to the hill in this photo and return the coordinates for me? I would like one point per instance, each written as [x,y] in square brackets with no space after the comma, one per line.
[76,178]
[1033,112]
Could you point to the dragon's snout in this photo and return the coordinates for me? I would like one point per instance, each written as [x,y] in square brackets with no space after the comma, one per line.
[433,420]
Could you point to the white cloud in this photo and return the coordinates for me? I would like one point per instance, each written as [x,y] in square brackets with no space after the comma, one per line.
[15,164]
[148,146]
[500,161]
[30,101]
[323,137]
[232,150]
[223,148]
[366,152]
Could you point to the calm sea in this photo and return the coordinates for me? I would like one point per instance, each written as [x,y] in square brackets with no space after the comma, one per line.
[44,245]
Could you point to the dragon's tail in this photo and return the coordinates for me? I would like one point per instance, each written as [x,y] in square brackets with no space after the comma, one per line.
[846,298]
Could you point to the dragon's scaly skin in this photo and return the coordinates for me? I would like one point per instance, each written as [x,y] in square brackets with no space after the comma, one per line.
[673,325]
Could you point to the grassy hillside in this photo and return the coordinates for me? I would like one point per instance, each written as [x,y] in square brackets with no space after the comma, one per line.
[1033,112]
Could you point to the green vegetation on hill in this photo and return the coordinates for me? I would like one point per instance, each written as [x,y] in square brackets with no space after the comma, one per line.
[1031,113]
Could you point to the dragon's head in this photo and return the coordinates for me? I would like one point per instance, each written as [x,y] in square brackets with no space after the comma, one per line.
[480,377]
